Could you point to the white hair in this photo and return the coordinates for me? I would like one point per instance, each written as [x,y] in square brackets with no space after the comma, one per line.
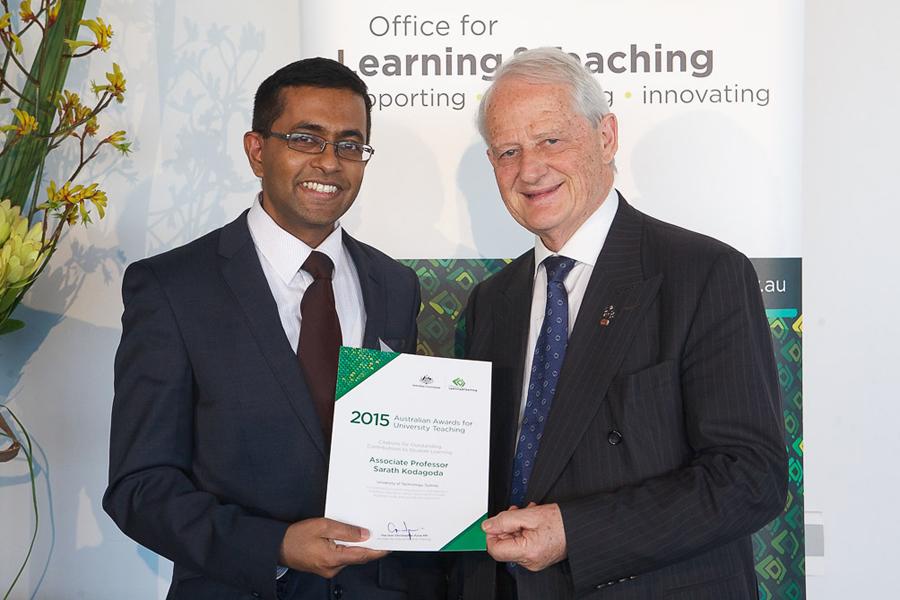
[550,65]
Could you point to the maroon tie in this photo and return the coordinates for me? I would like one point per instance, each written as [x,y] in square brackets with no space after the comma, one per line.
[320,337]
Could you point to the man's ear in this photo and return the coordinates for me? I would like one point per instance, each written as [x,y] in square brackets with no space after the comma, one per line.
[608,131]
[253,143]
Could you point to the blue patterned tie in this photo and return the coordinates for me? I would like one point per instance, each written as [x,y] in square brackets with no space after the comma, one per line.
[549,352]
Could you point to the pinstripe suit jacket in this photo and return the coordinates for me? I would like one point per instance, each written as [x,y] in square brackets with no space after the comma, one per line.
[664,447]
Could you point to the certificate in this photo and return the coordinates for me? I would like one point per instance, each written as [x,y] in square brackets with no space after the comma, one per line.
[409,450]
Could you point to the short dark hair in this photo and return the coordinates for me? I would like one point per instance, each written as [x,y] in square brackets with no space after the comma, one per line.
[316,72]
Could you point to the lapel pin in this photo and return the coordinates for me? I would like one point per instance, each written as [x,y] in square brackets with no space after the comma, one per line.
[609,313]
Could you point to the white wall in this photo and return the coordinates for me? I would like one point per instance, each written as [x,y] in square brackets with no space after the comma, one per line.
[189,66]
[57,373]
[851,295]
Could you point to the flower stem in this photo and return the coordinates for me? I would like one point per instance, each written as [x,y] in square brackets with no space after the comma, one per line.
[28,455]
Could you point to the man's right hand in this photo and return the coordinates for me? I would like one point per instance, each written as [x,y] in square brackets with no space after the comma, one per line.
[310,546]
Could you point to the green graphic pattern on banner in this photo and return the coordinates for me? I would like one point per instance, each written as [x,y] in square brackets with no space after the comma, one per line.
[445,288]
[778,548]
[355,365]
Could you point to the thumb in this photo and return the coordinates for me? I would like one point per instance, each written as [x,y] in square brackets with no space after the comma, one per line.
[336,530]
[505,522]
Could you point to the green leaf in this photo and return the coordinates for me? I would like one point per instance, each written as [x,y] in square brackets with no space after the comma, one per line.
[9,301]
[19,166]
[22,284]
[10,325]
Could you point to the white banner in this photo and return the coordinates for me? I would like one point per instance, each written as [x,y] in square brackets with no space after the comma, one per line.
[708,96]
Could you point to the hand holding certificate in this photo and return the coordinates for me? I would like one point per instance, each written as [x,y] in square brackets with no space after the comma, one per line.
[315,546]
[409,451]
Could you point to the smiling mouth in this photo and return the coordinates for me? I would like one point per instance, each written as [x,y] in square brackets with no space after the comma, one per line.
[541,194]
[321,188]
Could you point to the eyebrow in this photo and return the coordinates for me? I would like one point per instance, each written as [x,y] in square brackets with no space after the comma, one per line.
[316,128]
[503,143]
[545,133]
[539,135]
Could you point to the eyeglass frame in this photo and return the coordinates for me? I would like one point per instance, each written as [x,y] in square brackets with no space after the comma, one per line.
[287,137]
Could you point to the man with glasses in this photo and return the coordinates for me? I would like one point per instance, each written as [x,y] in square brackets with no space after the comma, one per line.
[225,373]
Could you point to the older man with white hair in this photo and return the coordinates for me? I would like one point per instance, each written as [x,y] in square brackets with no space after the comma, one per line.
[637,435]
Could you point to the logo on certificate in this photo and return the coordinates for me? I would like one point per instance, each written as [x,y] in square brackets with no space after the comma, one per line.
[426,381]
[459,385]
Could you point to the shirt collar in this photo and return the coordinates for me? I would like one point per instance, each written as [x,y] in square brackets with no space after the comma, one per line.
[284,252]
[586,243]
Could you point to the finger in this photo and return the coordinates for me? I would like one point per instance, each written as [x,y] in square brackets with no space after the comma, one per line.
[508,521]
[505,550]
[494,525]
[335,530]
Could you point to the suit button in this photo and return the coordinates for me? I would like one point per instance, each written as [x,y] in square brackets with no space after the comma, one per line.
[614,437]
[337,592]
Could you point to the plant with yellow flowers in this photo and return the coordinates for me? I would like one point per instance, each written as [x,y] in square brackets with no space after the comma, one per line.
[43,116]
[33,212]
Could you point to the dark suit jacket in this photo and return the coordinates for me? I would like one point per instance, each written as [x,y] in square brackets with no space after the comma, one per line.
[664,447]
[216,446]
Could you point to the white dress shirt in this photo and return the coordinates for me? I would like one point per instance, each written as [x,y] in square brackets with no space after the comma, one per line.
[584,247]
[281,256]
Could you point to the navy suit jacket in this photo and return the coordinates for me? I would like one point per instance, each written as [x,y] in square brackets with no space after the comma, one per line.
[216,447]
[664,447]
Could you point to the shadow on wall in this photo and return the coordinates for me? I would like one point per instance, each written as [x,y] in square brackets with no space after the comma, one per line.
[494,231]
[403,161]
[203,89]
[58,371]
[699,170]
[57,288]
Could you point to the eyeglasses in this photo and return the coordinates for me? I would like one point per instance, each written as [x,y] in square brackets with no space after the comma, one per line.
[313,144]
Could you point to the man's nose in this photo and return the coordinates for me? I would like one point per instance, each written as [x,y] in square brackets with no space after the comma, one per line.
[532,166]
[327,160]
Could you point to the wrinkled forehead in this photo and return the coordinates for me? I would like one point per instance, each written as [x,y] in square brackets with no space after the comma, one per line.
[518,106]
[514,87]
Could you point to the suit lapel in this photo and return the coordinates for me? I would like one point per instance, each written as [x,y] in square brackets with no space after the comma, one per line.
[239,264]
[372,292]
[595,351]
[510,315]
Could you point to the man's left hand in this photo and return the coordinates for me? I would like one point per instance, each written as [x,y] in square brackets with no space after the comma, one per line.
[533,537]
